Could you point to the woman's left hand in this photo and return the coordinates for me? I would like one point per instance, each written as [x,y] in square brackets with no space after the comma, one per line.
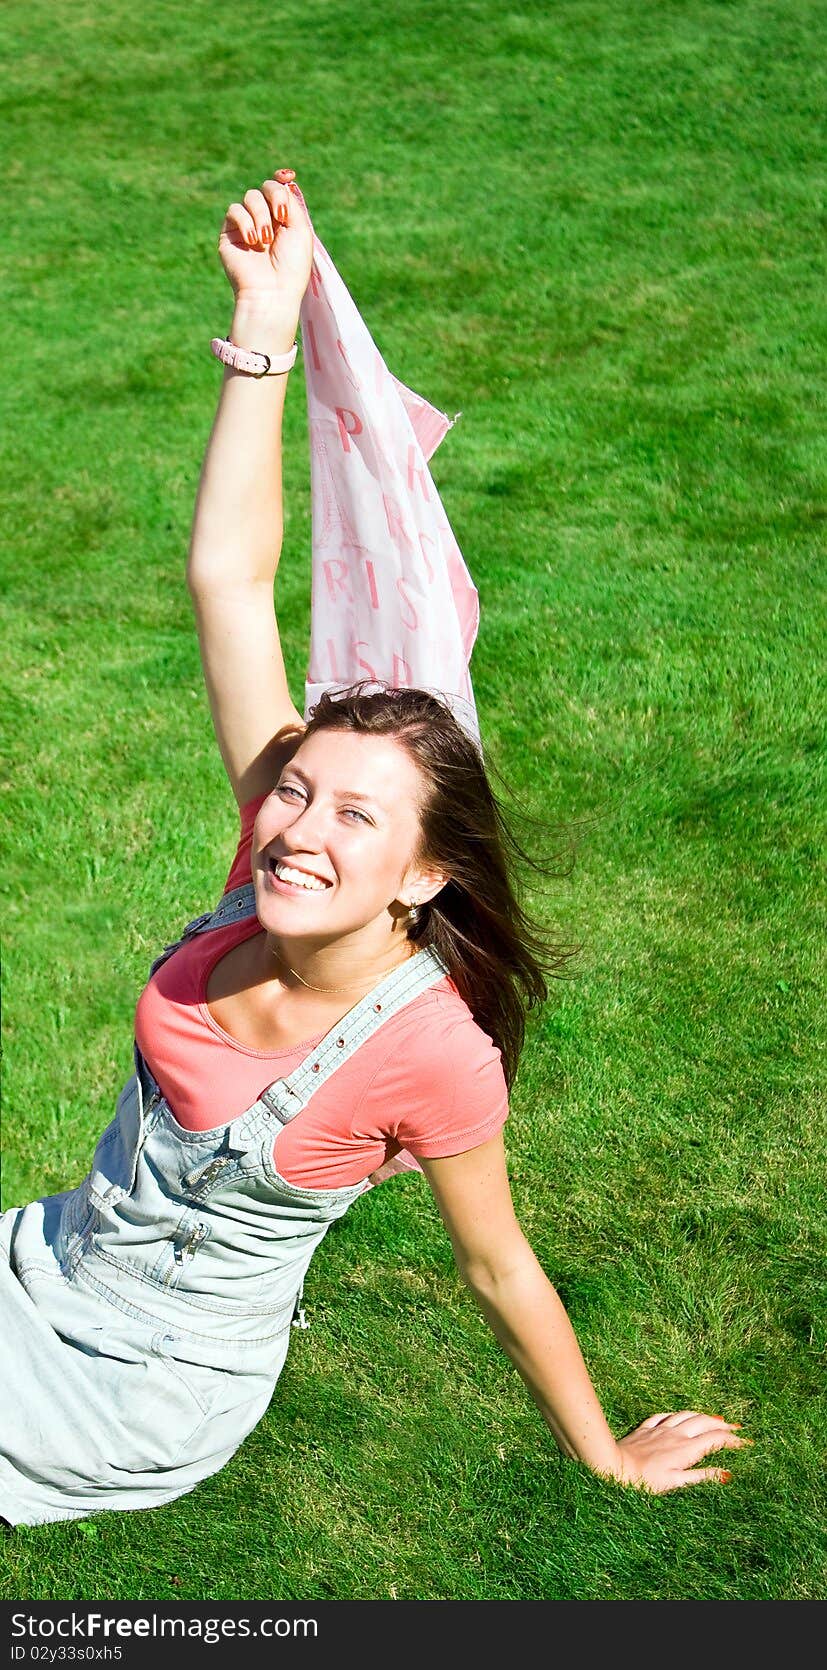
[661,1454]
[266,244]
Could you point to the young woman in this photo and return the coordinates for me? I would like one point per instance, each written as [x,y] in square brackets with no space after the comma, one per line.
[358,992]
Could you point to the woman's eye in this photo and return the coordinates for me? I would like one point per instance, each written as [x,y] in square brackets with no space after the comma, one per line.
[347,811]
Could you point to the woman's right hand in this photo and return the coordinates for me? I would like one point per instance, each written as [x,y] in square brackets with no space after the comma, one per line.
[266,244]
[661,1454]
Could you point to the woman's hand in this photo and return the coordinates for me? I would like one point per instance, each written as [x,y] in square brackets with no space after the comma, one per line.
[266,244]
[662,1452]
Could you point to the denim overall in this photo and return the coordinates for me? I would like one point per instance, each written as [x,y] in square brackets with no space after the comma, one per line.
[146,1315]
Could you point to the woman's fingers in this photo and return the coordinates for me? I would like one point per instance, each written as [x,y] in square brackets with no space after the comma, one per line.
[691,1423]
[679,1417]
[706,1475]
[261,216]
[692,1449]
[239,221]
[672,1417]
[257,219]
[277,196]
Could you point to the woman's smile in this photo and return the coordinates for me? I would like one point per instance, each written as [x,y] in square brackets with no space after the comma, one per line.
[284,877]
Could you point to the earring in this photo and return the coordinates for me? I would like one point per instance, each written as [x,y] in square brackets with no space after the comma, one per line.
[414,914]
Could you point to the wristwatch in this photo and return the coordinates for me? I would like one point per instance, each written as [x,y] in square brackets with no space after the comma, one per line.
[250,360]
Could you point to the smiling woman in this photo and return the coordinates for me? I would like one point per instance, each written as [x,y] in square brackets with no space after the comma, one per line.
[357,996]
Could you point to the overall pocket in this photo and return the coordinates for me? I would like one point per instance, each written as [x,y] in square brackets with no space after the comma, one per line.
[115,1160]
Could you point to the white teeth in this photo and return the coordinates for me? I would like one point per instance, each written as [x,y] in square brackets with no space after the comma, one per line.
[298,878]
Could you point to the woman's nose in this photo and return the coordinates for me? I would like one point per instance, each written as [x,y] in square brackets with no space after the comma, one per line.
[307,827]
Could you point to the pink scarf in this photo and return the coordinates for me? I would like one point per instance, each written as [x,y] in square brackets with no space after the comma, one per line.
[392,600]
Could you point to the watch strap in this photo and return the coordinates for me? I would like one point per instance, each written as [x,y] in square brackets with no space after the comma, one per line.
[250,360]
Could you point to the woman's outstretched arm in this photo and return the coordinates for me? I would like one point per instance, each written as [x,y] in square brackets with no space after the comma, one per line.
[530,1322]
[266,249]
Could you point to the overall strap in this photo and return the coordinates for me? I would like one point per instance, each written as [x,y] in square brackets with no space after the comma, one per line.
[235,906]
[286,1097]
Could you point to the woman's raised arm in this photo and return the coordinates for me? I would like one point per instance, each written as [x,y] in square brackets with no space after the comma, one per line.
[527,1317]
[266,248]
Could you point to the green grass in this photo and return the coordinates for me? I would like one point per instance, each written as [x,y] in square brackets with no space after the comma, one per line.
[594,228]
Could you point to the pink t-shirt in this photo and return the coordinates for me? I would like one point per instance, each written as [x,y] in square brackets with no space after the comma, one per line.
[429,1080]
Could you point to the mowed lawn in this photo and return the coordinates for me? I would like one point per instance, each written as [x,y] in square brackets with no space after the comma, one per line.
[594,228]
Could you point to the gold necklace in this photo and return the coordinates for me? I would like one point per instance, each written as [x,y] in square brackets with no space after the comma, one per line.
[324,989]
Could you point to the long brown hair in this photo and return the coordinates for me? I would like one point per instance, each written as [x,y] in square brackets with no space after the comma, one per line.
[496,956]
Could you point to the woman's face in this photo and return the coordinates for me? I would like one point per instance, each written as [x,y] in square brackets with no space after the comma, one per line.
[344,813]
